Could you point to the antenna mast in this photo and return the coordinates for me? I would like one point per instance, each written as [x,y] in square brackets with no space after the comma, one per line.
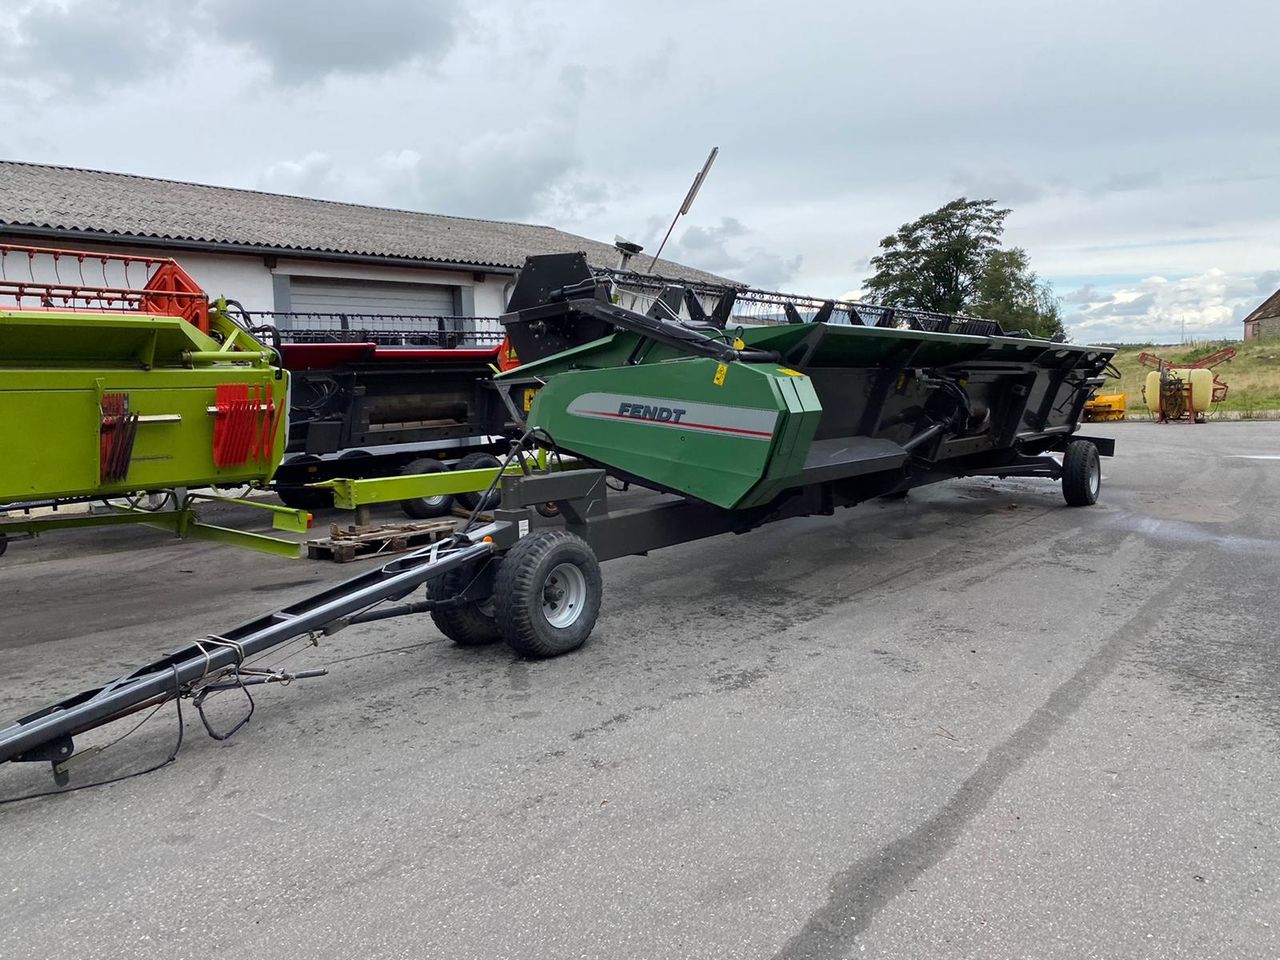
[688,202]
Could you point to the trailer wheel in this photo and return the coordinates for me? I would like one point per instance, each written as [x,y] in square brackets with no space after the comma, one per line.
[547,593]
[468,624]
[4,544]
[479,461]
[1081,474]
[303,498]
[424,508]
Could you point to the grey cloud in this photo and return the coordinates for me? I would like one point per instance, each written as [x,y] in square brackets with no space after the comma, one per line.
[1012,188]
[1003,186]
[719,250]
[569,199]
[649,233]
[1268,281]
[1125,182]
[1138,306]
[1242,285]
[1086,294]
[1108,306]
[315,175]
[306,40]
[509,175]
[505,177]
[1147,243]
[90,44]
[771,271]
[521,170]
[711,240]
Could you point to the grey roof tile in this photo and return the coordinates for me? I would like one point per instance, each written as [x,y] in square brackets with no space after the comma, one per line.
[123,205]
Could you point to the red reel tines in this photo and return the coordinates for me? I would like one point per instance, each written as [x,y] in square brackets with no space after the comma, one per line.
[46,278]
[245,424]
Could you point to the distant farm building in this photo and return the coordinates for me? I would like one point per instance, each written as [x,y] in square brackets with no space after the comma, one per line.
[1264,322]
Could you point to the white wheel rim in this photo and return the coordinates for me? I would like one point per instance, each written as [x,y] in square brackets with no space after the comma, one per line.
[434,501]
[563,595]
[1095,476]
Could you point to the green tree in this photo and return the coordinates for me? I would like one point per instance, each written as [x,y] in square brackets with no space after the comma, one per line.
[1010,293]
[937,261]
[951,261]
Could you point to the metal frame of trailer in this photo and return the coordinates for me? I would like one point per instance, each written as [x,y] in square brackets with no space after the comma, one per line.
[582,496]
[916,406]
[178,515]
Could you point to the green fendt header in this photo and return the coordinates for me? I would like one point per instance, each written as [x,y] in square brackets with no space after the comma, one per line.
[735,415]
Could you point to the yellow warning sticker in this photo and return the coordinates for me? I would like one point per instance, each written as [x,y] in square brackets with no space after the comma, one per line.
[789,372]
[722,370]
[529,394]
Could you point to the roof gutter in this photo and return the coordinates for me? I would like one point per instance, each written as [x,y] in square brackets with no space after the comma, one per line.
[214,246]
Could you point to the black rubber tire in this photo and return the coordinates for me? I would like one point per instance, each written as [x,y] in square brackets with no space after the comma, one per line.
[467,625]
[1081,474]
[478,461]
[303,498]
[425,508]
[520,588]
[349,460]
[4,545]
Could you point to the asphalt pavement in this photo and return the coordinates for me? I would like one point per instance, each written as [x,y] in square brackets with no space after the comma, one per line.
[971,723]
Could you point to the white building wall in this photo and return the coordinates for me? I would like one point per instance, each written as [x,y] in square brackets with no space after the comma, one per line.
[491,296]
[242,278]
[247,278]
[239,277]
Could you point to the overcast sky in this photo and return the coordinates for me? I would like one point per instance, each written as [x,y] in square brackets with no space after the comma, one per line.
[1138,143]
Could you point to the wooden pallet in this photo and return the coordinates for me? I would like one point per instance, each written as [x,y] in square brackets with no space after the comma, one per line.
[345,544]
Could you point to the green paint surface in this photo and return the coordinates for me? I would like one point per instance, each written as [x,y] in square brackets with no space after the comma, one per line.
[55,367]
[718,456]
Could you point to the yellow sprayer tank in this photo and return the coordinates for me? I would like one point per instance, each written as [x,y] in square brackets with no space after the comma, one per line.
[1198,391]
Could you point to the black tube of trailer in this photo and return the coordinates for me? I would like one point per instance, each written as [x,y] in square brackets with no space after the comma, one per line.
[32,737]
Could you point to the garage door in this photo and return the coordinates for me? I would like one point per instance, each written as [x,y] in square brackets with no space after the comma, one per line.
[316,295]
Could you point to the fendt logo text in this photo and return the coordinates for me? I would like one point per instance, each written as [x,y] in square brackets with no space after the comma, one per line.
[645,411]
